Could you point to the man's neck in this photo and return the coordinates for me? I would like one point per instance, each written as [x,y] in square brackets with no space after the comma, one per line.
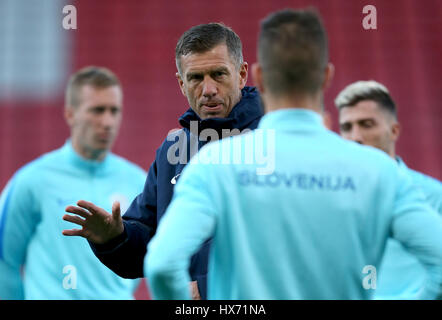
[393,155]
[88,154]
[313,103]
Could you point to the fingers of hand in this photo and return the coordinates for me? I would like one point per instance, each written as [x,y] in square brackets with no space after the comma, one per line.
[73,232]
[92,208]
[116,211]
[74,219]
[78,211]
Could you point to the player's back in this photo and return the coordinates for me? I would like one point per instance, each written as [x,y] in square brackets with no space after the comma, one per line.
[311,228]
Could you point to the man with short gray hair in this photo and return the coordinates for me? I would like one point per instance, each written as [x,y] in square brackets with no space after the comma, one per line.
[212,76]
[368,115]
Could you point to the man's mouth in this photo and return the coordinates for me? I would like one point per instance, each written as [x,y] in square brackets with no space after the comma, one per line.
[212,107]
[104,137]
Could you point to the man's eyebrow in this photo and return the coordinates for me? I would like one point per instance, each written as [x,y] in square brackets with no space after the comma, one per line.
[100,107]
[209,71]
[365,119]
[192,74]
[349,122]
[220,69]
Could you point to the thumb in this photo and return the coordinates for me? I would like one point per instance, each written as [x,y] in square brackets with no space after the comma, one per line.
[116,211]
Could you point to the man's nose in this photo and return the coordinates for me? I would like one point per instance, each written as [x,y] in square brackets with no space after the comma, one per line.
[356,135]
[209,87]
[108,119]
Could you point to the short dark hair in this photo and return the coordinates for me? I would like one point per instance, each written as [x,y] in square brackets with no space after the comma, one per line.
[366,90]
[97,77]
[293,52]
[203,37]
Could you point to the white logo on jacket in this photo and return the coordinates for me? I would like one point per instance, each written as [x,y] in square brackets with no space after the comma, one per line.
[174,179]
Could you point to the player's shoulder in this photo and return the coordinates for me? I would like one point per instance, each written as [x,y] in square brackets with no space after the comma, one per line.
[214,150]
[426,182]
[126,165]
[31,173]
[40,164]
[366,154]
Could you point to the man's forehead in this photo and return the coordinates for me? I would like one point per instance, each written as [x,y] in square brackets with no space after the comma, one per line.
[92,91]
[214,58]
[107,96]
[364,109]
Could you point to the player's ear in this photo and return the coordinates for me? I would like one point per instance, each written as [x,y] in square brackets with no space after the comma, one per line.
[329,73]
[395,131]
[69,115]
[243,74]
[257,77]
[180,83]
[327,120]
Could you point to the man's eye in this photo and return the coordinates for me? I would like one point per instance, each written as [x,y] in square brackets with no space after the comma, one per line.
[367,123]
[218,74]
[345,127]
[195,77]
[97,110]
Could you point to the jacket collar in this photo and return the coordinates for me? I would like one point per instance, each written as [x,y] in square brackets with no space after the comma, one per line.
[401,162]
[91,166]
[247,110]
[292,120]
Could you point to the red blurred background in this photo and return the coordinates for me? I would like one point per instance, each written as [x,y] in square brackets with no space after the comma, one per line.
[136,39]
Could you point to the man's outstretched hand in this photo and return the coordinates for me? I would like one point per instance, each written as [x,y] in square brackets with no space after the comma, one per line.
[98,226]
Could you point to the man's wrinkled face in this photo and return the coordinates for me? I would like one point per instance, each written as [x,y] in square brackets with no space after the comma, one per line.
[211,82]
[368,124]
[95,122]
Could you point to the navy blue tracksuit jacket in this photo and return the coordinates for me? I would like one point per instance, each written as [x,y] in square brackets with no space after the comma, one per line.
[125,254]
